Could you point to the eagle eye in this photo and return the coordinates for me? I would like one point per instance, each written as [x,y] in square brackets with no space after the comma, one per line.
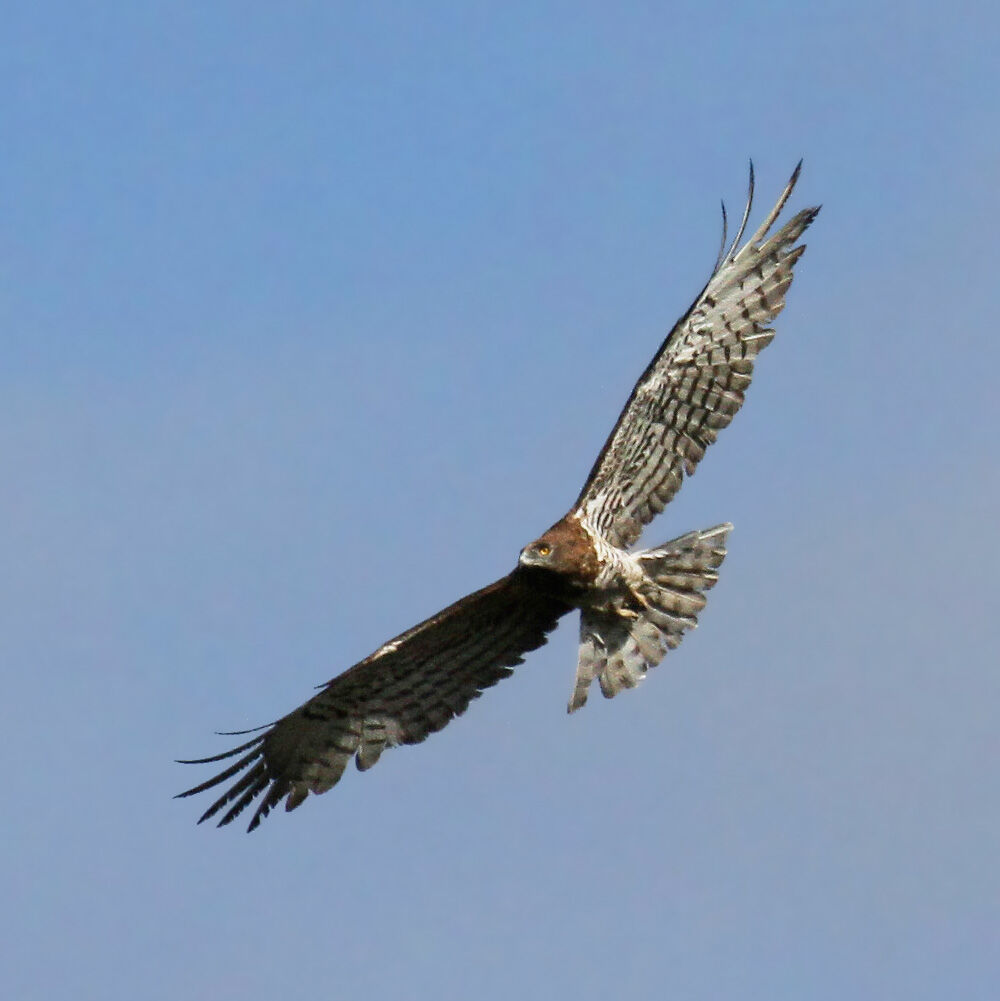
[543,549]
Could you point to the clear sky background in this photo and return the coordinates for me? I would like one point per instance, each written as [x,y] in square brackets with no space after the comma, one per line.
[313,314]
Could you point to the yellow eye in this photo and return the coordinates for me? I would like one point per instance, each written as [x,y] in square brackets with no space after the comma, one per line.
[544,549]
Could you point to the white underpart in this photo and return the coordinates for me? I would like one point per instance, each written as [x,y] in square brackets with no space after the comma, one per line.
[619,575]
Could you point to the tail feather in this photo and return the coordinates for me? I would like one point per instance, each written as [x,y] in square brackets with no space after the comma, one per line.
[618,647]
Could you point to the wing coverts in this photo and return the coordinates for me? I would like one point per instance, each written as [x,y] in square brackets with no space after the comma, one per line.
[406,690]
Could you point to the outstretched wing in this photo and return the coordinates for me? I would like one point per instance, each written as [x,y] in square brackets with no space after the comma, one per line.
[409,688]
[696,382]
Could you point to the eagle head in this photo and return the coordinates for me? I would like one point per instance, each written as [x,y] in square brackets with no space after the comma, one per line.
[540,553]
[565,549]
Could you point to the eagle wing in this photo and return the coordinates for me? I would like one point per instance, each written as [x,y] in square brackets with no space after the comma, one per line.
[696,382]
[409,688]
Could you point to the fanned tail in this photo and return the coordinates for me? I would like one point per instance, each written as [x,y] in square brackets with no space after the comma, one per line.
[618,647]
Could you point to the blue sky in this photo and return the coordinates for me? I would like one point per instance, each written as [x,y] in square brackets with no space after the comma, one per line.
[313,315]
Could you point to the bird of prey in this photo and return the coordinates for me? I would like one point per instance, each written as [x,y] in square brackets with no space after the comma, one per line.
[634,604]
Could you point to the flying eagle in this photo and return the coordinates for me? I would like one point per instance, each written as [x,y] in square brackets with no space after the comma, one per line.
[634,604]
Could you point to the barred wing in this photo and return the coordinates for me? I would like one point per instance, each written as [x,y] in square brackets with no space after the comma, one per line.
[696,382]
[409,688]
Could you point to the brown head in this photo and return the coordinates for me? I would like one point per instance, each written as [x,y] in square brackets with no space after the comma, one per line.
[565,549]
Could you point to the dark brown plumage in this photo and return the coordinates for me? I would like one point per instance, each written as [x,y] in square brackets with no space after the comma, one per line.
[409,688]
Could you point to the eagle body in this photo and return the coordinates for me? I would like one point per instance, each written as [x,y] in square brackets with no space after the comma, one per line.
[635,605]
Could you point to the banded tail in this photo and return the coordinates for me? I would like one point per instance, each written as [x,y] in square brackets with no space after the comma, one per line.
[618,647]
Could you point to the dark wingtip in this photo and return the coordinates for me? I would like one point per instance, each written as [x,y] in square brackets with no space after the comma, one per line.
[810,215]
[240,733]
[721,256]
[219,757]
[270,800]
[245,789]
[748,208]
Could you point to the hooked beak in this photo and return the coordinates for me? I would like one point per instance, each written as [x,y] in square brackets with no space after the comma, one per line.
[531,557]
[528,558]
